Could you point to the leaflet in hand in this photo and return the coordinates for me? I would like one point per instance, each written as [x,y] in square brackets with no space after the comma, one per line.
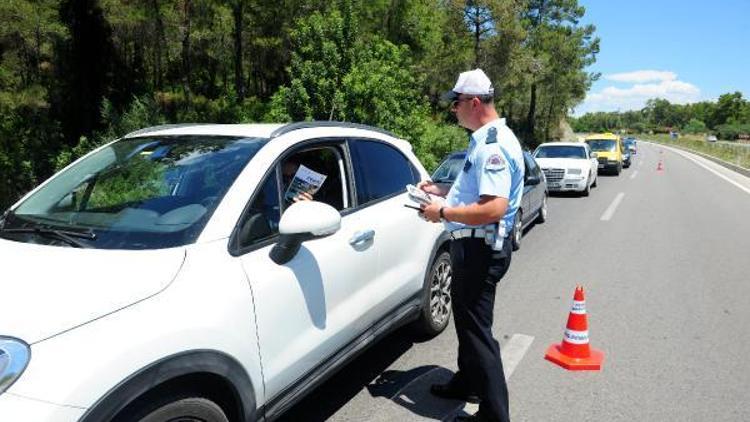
[418,195]
[305,180]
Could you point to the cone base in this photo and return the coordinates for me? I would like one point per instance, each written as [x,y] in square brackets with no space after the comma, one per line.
[591,363]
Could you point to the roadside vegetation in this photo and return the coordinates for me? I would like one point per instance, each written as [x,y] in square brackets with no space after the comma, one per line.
[77,73]
[731,152]
[728,119]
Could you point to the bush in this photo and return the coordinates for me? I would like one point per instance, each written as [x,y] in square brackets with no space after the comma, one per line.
[732,131]
[695,126]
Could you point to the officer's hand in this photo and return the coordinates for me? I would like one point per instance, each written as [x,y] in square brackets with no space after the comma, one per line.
[430,187]
[431,211]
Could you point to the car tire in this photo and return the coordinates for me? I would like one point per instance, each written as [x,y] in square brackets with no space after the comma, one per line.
[618,169]
[596,179]
[517,231]
[542,217]
[587,190]
[184,409]
[436,305]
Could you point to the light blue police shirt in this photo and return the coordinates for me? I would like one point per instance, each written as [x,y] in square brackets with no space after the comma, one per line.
[493,166]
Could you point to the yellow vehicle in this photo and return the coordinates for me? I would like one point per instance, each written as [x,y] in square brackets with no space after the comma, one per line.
[608,149]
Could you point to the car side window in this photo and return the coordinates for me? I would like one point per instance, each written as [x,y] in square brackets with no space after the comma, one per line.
[327,161]
[380,170]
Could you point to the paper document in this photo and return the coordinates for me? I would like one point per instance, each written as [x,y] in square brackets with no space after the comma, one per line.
[418,195]
[305,180]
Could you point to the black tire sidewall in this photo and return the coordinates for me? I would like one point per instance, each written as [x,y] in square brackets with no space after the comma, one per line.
[196,407]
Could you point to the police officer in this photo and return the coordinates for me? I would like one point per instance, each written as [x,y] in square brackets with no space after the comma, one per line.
[478,211]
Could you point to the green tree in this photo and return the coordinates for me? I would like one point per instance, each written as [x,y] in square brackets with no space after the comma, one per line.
[695,126]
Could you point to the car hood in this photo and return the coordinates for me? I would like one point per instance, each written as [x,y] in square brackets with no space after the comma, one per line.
[562,163]
[45,290]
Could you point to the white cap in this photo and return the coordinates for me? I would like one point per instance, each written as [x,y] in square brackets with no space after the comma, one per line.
[472,82]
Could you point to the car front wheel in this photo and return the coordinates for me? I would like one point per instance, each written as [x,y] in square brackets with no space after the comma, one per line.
[436,309]
[587,190]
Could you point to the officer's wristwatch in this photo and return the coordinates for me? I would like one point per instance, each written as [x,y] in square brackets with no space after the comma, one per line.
[442,214]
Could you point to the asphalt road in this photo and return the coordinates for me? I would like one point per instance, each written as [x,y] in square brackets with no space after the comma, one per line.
[666,272]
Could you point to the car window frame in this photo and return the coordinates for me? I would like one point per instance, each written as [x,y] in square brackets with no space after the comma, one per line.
[412,168]
[338,143]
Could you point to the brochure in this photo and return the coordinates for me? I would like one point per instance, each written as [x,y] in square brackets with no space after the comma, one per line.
[305,180]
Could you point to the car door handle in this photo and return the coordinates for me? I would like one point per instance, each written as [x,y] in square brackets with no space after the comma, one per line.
[362,237]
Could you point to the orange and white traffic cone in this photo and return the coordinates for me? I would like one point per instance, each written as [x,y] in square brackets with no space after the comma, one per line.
[574,353]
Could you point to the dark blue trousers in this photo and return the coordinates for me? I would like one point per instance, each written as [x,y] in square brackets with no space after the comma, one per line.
[476,271]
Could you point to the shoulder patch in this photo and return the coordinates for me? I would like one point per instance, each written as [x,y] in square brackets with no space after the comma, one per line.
[495,162]
[491,136]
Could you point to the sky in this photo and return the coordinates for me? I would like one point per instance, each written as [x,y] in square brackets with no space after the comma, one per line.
[683,51]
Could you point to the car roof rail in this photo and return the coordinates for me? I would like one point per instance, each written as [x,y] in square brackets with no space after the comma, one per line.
[291,127]
[161,127]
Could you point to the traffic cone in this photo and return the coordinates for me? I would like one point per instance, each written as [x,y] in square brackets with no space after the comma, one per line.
[574,353]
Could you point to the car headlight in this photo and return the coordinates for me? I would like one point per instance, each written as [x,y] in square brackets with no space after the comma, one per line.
[14,356]
[574,171]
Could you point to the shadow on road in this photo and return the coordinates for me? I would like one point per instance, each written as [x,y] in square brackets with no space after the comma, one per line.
[369,371]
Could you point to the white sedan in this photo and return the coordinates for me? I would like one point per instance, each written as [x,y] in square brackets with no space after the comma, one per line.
[568,166]
[167,275]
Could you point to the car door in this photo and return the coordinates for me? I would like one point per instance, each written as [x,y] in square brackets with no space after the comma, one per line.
[306,310]
[402,239]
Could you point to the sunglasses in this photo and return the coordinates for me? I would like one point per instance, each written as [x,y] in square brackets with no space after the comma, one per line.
[455,103]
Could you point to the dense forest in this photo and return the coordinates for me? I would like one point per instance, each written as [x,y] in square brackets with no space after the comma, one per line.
[728,118]
[77,73]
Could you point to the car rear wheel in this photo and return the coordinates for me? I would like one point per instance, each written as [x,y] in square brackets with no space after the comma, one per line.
[436,308]
[517,231]
[542,217]
[189,409]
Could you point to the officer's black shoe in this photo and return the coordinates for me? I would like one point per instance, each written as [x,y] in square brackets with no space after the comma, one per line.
[469,418]
[447,391]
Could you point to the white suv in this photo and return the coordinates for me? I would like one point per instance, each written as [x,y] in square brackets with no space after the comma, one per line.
[568,166]
[165,276]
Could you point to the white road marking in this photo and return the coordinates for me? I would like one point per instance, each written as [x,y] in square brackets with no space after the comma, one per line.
[612,207]
[635,172]
[511,353]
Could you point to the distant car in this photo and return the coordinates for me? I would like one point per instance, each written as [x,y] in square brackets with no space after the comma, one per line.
[608,148]
[568,166]
[626,157]
[711,138]
[534,203]
[629,145]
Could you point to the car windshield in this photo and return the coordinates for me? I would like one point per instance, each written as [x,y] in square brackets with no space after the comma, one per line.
[560,151]
[141,193]
[448,170]
[606,145]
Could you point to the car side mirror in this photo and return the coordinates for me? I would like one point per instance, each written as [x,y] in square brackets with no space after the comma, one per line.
[594,155]
[303,221]
[533,180]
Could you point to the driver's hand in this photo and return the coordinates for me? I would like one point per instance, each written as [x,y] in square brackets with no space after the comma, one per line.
[303,196]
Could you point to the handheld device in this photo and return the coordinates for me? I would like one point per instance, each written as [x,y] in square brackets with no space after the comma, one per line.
[413,207]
